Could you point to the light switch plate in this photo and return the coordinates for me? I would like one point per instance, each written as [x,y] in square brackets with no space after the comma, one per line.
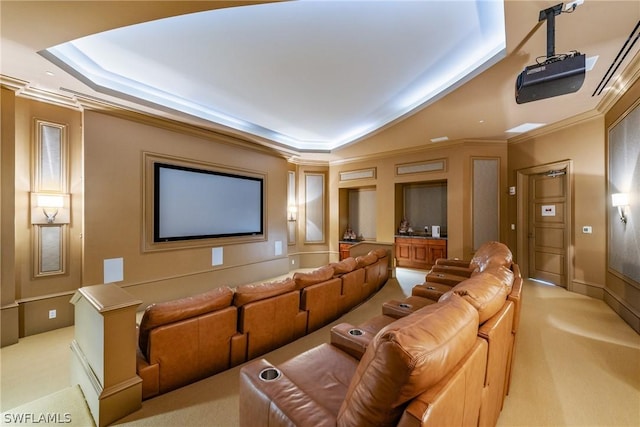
[587,229]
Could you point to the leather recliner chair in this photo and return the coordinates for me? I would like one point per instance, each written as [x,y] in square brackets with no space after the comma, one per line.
[424,369]
[487,292]
[188,339]
[448,272]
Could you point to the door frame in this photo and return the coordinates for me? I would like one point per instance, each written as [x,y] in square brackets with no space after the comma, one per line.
[522,240]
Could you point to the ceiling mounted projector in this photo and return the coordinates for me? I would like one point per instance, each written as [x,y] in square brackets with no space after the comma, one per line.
[557,75]
[550,79]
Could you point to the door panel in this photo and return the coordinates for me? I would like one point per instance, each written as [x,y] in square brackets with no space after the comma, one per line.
[549,186]
[547,228]
[550,237]
[550,267]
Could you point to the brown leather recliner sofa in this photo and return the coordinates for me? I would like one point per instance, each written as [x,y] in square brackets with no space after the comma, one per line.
[188,339]
[269,315]
[315,387]
[448,272]
[361,277]
[185,340]
[490,293]
[424,368]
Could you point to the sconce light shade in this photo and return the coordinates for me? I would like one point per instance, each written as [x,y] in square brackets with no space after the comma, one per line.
[292,212]
[50,208]
[620,201]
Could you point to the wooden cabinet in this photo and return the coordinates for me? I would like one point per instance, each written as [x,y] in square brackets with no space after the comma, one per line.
[419,252]
[437,249]
[344,250]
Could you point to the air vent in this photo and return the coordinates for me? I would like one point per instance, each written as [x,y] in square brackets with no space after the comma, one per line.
[619,59]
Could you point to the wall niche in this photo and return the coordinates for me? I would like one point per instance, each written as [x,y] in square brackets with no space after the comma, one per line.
[358,212]
[422,204]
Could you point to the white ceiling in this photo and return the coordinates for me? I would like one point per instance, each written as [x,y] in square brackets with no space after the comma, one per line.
[313,75]
[309,76]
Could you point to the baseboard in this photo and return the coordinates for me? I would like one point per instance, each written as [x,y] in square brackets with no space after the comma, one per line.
[589,289]
[10,324]
[622,309]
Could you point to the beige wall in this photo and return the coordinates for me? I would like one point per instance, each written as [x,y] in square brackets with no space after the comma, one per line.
[583,144]
[114,223]
[458,156]
[35,296]
[107,217]
[9,323]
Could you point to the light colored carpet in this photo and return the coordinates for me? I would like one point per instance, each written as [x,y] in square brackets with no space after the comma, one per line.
[577,363]
[64,407]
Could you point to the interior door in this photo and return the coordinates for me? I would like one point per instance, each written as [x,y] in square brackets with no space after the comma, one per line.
[547,229]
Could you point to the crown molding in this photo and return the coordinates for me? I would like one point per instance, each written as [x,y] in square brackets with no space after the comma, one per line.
[419,150]
[555,127]
[620,86]
[25,90]
[12,83]
[123,112]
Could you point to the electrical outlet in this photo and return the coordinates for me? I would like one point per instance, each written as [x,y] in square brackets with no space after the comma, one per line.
[52,314]
[293,262]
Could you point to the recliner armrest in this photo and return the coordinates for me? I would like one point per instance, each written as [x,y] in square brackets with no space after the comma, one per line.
[463,271]
[274,400]
[444,278]
[409,305]
[350,339]
[430,290]
[453,262]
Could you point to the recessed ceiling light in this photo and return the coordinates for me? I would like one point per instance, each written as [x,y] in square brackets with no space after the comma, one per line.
[440,139]
[480,121]
[49,73]
[525,127]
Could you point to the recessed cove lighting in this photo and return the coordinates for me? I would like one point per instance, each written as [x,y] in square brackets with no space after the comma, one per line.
[244,88]
[440,139]
[525,127]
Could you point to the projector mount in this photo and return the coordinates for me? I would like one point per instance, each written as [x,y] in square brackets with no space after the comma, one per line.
[550,16]
[557,74]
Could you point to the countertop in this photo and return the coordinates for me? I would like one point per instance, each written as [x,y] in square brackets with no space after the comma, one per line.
[418,235]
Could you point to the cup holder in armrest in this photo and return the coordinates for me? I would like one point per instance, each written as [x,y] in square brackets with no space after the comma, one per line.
[269,374]
[356,332]
[405,305]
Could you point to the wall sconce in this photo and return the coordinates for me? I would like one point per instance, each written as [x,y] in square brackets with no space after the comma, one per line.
[49,208]
[620,200]
[292,212]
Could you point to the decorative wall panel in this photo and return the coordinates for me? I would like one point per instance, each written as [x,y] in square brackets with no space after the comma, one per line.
[362,208]
[49,176]
[314,208]
[486,201]
[624,177]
